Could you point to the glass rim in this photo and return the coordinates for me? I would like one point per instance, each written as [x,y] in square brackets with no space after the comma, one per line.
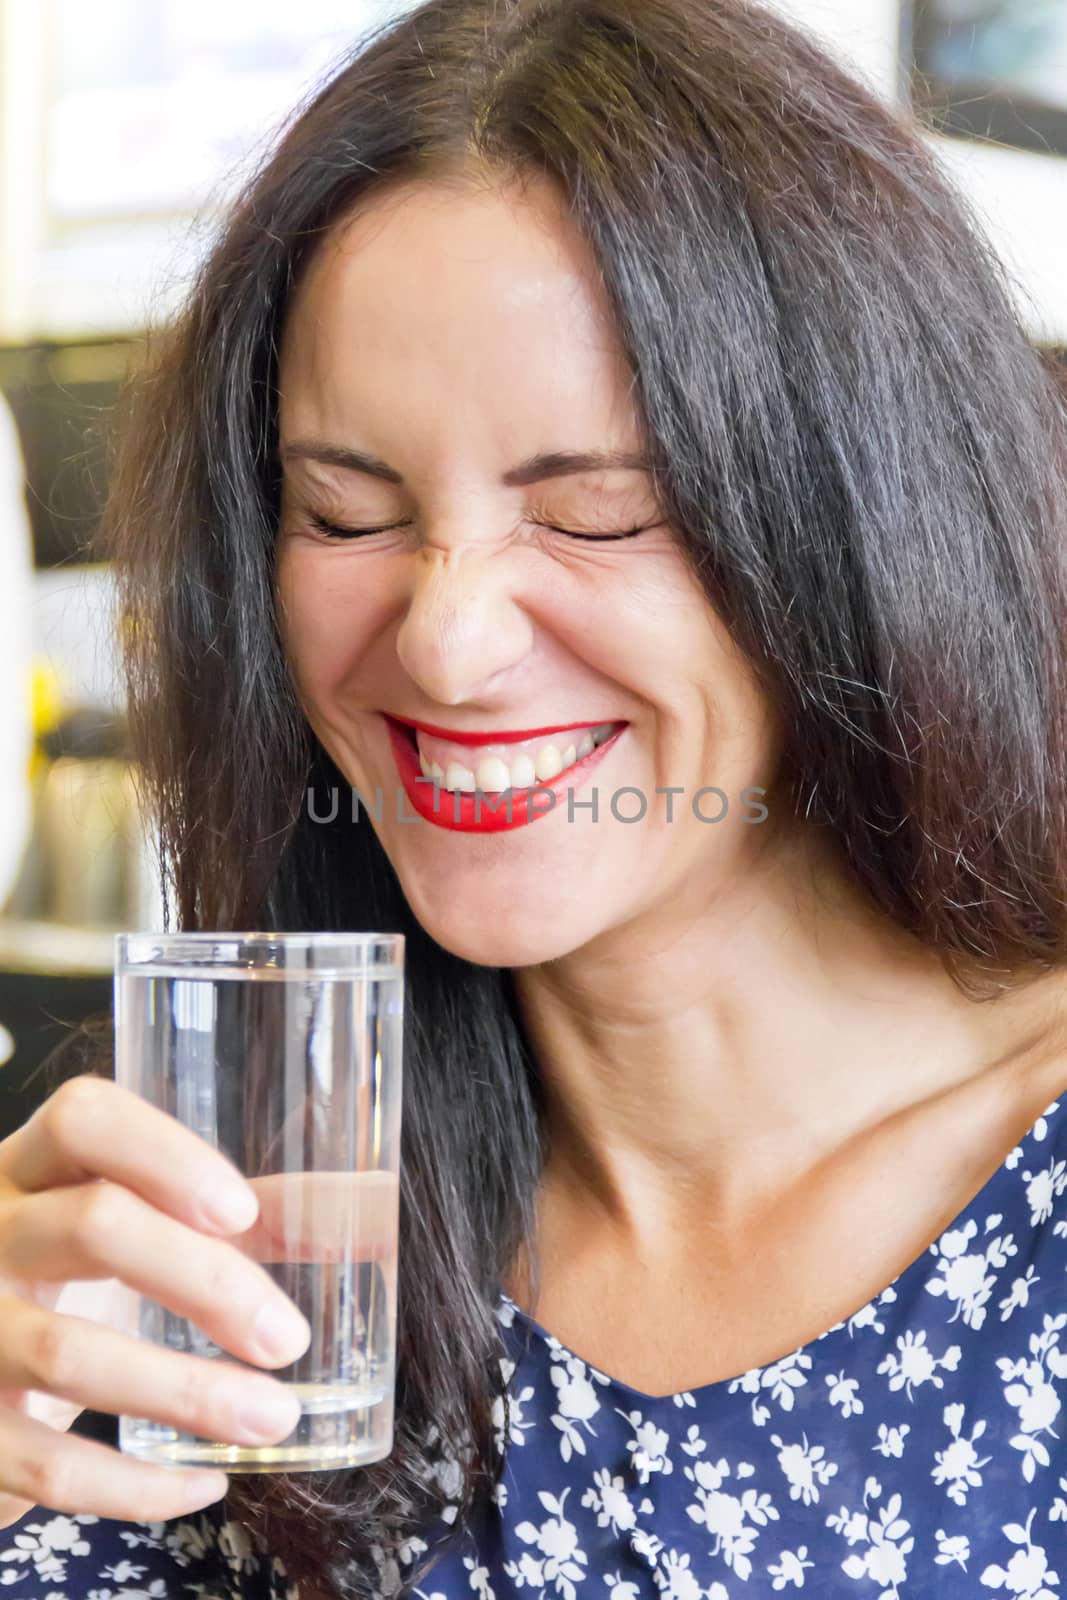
[169,947]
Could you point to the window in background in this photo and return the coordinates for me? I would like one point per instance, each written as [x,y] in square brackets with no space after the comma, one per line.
[991,69]
[121,122]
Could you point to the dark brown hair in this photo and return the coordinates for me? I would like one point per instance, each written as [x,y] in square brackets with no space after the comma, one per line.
[865,458]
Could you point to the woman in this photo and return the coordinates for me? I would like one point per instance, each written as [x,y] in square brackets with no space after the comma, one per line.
[609,396]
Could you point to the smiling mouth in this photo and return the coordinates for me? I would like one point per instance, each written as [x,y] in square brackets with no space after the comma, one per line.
[495,763]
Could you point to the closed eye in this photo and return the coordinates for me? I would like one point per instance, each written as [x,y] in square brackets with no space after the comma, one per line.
[596,538]
[334,530]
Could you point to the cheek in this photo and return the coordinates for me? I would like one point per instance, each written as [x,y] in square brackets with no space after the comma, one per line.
[659,627]
[329,611]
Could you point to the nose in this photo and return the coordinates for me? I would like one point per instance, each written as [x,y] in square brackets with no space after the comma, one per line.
[463,626]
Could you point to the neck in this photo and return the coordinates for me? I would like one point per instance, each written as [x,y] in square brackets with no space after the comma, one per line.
[722,1045]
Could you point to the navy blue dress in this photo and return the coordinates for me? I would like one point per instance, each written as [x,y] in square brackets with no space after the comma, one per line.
[915,1451]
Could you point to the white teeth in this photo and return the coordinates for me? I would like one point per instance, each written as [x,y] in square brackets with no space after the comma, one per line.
[459,777]
[492,776]
[548,763]
[431,769]
[523,773]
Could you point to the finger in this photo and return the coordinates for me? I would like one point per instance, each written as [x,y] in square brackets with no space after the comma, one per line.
[62,1472]
[101,1230]
[106,1371]
[324,1216]
[93,1128]
[328,1216]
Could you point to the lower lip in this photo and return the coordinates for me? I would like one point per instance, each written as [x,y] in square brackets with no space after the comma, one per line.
[469,811]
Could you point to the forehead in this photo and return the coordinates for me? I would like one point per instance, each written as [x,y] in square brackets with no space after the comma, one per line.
[484,295]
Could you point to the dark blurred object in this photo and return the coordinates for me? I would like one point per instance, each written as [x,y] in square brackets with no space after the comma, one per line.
[90,733]
[84,863]
[988,69]
[61,396]
[41,1013]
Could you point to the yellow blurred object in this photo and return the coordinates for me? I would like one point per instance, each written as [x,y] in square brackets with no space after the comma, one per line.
[48,698]
[48,702]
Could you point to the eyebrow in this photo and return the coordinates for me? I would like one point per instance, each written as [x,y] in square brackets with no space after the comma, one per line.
[535,469]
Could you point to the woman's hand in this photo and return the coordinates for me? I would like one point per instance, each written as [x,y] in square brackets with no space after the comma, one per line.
[99,1185]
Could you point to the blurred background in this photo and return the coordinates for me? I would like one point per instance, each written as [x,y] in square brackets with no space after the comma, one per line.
[125,125]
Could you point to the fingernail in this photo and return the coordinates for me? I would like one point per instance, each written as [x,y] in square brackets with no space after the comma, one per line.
[229,1206]
[268,1413]
[281,1331]
[203,1488]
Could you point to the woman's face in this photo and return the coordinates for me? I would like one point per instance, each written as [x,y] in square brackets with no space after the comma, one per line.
[447,353]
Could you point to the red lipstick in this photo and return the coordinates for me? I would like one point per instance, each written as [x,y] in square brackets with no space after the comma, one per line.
[494,736]
[480,812]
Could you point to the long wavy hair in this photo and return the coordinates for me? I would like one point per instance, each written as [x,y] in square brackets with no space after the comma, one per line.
[864,457]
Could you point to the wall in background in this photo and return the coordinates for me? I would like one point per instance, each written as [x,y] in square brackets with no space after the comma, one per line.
[1021,198]
[16,644]
[124,126]
[63,275]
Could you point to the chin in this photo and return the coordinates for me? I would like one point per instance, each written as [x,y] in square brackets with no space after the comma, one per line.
[496,940]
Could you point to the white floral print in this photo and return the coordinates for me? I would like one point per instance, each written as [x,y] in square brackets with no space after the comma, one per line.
[917,1450]
[577,1401]
[560,1561]
[884,1537]
[958,1466]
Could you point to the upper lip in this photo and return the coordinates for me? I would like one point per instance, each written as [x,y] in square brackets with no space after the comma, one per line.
[495,735]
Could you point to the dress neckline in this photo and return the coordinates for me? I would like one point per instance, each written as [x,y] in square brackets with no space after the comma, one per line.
[1037,1132]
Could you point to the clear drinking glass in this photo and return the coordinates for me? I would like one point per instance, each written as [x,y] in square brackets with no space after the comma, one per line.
[283,1050]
